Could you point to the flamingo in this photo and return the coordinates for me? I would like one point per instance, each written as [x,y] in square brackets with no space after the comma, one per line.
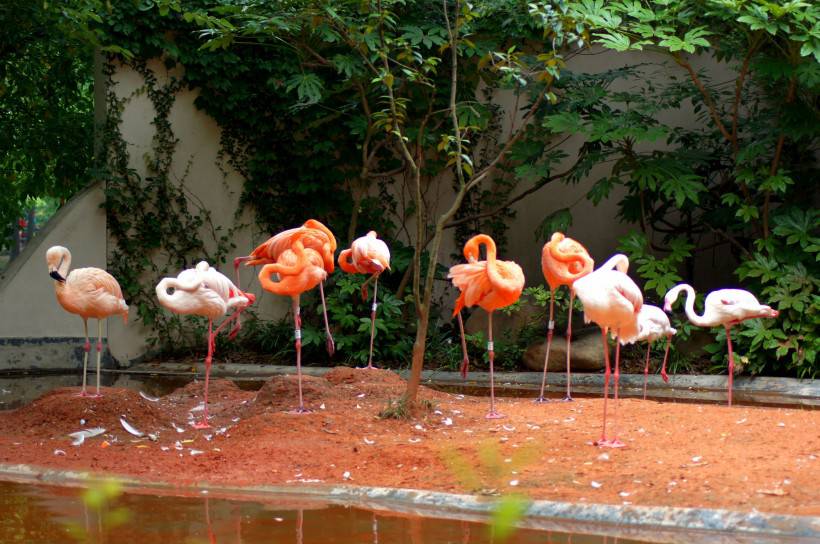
[367,255]
[653,323]
[315,236]
[89,293]
[300,269]
[611,300]
[726,307]
[491,284]
[563,260]
[206,292]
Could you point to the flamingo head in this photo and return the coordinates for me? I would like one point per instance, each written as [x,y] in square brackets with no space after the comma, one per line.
[768,311]
[58,259]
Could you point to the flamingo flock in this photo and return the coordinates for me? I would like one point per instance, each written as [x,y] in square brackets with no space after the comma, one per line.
[300,259]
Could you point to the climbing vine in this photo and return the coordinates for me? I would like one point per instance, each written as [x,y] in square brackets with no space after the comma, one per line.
[156,225]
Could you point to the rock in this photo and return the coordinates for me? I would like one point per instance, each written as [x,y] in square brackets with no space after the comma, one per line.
[587,353]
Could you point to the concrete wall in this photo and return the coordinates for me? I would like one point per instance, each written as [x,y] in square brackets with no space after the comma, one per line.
[30,311]
[34,330]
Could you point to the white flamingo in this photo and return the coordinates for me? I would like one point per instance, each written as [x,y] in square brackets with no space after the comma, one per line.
[206,292]
[653,323]
[724,307]
[612,300]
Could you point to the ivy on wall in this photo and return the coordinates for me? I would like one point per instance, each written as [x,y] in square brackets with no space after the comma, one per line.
[156,226]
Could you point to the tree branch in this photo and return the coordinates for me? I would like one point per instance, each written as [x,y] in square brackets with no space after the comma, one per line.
[707,96]
[515,199]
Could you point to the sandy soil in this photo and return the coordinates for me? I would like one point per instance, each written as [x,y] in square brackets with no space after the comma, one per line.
[740,458]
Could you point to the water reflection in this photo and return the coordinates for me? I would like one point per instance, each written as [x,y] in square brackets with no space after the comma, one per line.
[53,514]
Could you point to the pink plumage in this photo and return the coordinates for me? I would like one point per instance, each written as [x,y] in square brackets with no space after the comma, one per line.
[724,307]
[89,293]
[206,292]
[612,300]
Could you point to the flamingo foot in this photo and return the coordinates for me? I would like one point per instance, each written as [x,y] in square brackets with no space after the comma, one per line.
[568,399]
[665,376]
[542,400]
[202,425]
[93,395]
[492,414]
[82,394]
[300,410]
[613,443]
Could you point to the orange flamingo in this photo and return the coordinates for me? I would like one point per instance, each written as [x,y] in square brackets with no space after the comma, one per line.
[300,269]
[612,300]
[367,255]
[490,284]
[314,235]
[726,307]
[89,293]
[563,261]
[206,292]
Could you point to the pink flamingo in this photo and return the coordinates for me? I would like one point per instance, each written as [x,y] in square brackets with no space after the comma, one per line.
[315,236]
[367,255]
[563,261]
[612,300]
[89,293]
[726,307]
[300,269]
[206,292]
[491,284]
[653,323]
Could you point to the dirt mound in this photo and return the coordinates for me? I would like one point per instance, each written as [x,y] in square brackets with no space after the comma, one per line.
[219,388]
[61,411]
[375,383]
[282,392]
[347,375]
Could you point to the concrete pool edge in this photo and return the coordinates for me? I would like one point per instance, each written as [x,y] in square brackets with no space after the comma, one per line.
[659,523]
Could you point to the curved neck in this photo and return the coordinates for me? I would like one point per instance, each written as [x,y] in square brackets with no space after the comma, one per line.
[170,300]
[472,248]
[689,305]
[619,262]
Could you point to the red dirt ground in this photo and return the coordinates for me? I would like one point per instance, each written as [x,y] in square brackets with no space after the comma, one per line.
[740,458]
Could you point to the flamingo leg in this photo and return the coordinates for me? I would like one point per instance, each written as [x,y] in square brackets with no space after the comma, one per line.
[550,328]
[646,369]
[330,345]
[465,361]
[603,441]
[731,361]
[300,520]
[99,355]
[236,262]
[208,359]
[664,375]
[297,320]
[615,443]
[86,350]
[492,414]
[568,398]
[373,323]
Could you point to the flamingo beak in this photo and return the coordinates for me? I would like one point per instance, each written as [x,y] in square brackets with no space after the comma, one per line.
[667,307]
[56,275]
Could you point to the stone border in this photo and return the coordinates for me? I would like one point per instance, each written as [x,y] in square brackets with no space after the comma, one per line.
[759,390]
[660,524]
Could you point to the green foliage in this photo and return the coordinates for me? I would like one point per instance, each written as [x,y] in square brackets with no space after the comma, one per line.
[151,216]
[46,106]
[736,179]
[350,318]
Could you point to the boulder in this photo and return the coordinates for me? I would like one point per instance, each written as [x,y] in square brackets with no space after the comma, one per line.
[587,353]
